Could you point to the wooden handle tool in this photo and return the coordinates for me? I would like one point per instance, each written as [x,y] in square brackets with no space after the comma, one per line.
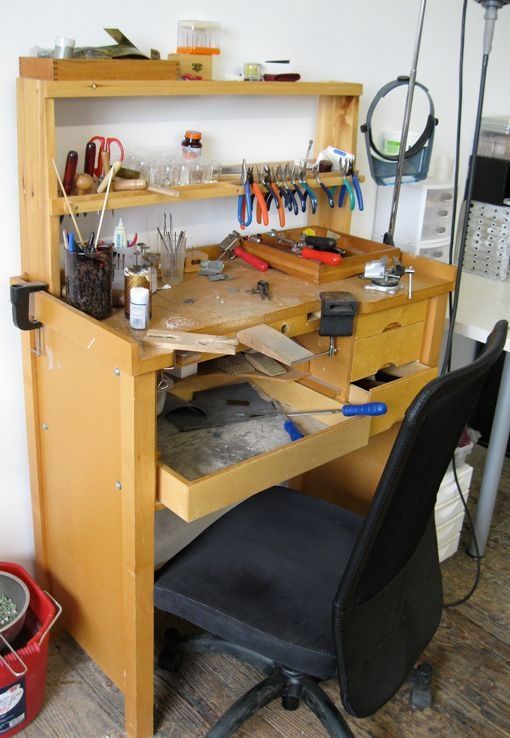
[123,185]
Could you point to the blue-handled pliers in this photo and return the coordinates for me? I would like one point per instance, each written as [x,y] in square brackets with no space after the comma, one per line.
[325,189]
[308,192]
[245,201]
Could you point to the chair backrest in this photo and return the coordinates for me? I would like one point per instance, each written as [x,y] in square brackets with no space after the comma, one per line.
[389,602]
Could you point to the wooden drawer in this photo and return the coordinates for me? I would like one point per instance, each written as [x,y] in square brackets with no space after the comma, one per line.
[375,323]
[394,347]
[397,393]
[194,499]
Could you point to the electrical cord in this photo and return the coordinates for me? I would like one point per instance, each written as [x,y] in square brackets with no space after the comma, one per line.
[453,302]
[472,533]
[469,194]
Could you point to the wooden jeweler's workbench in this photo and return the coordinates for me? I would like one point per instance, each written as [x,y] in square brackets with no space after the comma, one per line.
[96,473]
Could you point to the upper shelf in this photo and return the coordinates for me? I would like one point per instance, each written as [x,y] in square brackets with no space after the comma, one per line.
[141,198]
[186,88]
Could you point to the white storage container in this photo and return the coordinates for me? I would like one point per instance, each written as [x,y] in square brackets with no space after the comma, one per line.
[438,250]
[448,547]
[449,510]
[424,212]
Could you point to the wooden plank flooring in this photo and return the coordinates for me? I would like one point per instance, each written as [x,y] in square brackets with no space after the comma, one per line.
[470,654]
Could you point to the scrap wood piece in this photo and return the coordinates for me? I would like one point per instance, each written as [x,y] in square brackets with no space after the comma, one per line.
[265,364]
[186,341]
[272,343]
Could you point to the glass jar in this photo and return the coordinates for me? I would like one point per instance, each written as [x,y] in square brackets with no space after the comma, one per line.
[191,145]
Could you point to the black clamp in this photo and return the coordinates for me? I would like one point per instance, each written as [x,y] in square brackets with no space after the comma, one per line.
[20,301]
[337,313]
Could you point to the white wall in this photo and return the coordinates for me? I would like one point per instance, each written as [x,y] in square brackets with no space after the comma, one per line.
[369,42]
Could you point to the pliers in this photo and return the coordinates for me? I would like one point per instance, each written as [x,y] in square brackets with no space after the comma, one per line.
[262,211]
[299,193]
[325,189]
[285,191]
[308,190]
[274,194]
[244,201]
[346,166]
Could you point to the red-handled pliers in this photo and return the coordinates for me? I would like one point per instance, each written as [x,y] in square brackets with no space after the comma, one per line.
[105,145]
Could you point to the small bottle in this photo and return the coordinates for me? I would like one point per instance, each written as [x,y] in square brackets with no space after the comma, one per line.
[191,145]
[135,276]
[139,307]
[120,236]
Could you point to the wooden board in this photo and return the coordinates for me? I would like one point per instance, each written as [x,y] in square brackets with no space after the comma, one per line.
[270,342]
[85,69]
[185,341]
[359,251]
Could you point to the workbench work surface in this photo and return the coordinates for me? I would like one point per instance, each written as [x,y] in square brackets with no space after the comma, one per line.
[225,307]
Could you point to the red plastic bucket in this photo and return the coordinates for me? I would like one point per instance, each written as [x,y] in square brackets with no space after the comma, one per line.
[23,668]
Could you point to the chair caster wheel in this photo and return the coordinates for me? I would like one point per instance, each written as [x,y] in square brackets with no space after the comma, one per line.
[421,689]
[290,703]
[170,657]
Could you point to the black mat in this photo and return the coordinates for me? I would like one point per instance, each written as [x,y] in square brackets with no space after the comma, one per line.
[232,403]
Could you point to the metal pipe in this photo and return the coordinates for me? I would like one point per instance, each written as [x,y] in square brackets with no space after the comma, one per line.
[388,237]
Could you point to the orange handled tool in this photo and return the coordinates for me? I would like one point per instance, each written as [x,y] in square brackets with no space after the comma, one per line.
[251,259]
[325,257]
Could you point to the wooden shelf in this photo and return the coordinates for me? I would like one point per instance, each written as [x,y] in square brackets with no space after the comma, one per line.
[162,88]
[142,198]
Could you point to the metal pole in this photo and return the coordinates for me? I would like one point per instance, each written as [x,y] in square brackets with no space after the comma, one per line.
[388,237]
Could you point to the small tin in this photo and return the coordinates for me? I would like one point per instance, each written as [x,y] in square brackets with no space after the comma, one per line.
[136,276]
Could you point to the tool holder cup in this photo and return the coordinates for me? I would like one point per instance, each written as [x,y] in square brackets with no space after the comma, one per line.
[88,280]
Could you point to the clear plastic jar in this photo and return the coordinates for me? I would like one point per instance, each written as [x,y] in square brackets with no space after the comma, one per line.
[198,37]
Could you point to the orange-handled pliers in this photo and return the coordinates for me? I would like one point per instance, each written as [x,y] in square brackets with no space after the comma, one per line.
[262,213]
[274,194]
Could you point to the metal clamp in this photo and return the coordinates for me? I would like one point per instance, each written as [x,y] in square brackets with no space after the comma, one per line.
[20,301]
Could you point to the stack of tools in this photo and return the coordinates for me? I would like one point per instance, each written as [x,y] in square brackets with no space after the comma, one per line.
[315,254]
[287,187]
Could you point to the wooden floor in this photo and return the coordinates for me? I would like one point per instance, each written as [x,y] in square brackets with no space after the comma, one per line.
[470,654]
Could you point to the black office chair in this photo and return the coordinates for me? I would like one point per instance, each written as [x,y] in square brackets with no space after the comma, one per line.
[303,590]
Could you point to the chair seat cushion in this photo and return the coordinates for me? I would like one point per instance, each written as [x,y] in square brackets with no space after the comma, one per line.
[265,576]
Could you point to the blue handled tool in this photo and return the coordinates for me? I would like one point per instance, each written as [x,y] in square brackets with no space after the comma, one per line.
[357,189]
[347,187]
[244,202]
[293,431]
[367,408]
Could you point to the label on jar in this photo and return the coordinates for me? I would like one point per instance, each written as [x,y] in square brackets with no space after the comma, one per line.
[138,316]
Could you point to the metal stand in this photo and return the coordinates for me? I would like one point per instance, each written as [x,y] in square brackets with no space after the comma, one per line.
[493,463]
[388,236]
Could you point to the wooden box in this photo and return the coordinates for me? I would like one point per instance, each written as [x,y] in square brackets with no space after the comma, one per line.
[359,251]
[98,69]
[195,64]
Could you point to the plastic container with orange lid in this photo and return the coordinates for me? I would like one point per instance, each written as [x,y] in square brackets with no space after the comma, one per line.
[198,37]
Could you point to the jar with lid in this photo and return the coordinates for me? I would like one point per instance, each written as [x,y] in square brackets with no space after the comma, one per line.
[191,145]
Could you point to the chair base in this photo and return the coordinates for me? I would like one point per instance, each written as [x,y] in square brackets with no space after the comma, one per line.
[291,686]
[421,687]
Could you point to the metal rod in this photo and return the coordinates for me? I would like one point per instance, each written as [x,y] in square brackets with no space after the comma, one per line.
[388,238]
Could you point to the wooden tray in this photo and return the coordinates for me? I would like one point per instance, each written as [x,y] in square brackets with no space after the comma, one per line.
[359,251]
[98,69]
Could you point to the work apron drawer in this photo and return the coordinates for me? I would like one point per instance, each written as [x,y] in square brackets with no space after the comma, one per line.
[332,436]
[375,323]
[394,347]
[402,385]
